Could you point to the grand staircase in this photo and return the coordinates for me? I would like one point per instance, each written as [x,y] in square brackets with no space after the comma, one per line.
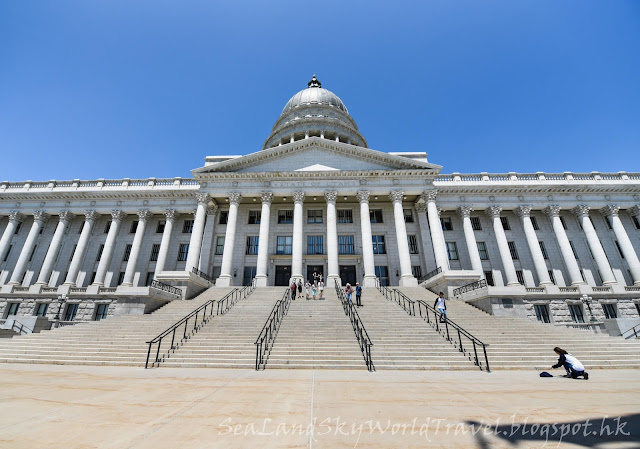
[118,340]
[520,343]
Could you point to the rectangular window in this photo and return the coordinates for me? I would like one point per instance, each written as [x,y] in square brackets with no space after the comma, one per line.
[382,273]
[416,271]
[12,308]
[619,249]
[127,252]
[542,313]
[19,226]
[575,310]
[134,227]
[610,311]
[6,256]
[149,278]
[513,250]
[505,223]
[482,250]
[155,250]
[160,227]
[255,216]
[520,276]
[408,215]
[573,248]
[285,216]
[379,246]
[70,312]
[248,275]
[314,216]
[534,222]
[187,227]
[33,251]
[102,310]
[107,226]
[314,244]
[219,245]
[375,216]
[413,244]
[345,216]
[636,222]
[346,244]
[446,224]
[488,275]
[41,309]
[120,277]
[552,277]
[452,250]
[183,251]
[564,223]
[475,224]
[252,245]
[100,249]
[283,244]
[543,250]
[224,217]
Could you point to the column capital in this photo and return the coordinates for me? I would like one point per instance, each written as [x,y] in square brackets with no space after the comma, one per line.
[15,215]
[235,198]
[396,196]
[523,211]
[439,210]
[330,196]
[212,209]
[429,195]
[610,211]
[465,211]
[267,197]
[493,211]
[553,210]
[144,215]
[635,211]
[91,215]
[171,214]
[117,215]
[65,216]
[421,207]
[581,210]
[41,216]
[298,197]
[363,196]
[202,198]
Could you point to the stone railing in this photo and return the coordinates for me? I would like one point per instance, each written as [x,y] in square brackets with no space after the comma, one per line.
[535,289]
[470,287]
[20,289]
[602,289]
[632,288]
[568,289]
[535,177]
[108,289]
[100,184]
[49,289]
[78,290]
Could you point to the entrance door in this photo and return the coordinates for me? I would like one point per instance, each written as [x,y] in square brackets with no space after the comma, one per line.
[283,274]
[318,270]
[348,274]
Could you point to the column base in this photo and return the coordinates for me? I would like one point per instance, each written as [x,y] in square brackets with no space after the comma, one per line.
[369,281]
[330,281]
[224,281]
[261,281]
[408,281]
[14,283]
[126,284]
[514,284]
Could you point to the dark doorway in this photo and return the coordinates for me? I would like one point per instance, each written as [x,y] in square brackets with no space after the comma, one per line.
[283,274]
[318,270]
[348,274]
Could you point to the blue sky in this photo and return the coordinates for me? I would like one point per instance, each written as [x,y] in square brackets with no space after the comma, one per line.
[113,89]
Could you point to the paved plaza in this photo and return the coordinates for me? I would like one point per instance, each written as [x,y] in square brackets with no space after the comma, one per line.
[117,407]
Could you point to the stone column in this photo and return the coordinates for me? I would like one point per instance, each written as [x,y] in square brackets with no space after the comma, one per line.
[406,276]
[524,212]
[74,268]
[54,247]
[569,258]
[503,246]
[225,278]
[15,217]
[369,279]
[170,215]
[130,271]
[263,240]
[39,219]
[626,247]
[195,244]
[595,246]
[437,236]
[470,238]
[425,234]
[333,268]
[109,246]
[296,241]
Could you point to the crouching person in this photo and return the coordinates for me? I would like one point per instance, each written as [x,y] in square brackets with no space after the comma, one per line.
[573,366]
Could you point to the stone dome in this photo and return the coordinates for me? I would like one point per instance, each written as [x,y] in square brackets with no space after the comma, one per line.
[315,112]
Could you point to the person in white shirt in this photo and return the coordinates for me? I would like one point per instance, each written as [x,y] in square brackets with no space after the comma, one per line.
[441,307]
[573,366]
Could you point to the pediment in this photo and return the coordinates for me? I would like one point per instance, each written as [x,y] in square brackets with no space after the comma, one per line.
[316,154]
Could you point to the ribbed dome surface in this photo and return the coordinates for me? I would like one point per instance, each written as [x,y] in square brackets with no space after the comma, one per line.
[314,95]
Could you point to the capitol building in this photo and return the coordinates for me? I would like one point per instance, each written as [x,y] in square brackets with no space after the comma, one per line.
[315,199]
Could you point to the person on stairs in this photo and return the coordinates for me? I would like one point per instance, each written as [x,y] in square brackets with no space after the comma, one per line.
[572,365]
[299,287]
[294,289]
[307,288]
[320,289]
[440,306]
[358,294]
[348,291]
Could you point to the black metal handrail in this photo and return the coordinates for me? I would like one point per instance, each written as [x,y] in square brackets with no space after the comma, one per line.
[21,328]
[440,318]
[470,287]
[201,316]
[358,327]
[269,331]
[635,329]
[429,275]
[165,287]
[203,275]
[392,294]
[226,303]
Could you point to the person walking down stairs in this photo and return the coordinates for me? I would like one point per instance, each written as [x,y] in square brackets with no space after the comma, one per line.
[571,364]
[441,307]
[358,294]
[294,288]
[348,291]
